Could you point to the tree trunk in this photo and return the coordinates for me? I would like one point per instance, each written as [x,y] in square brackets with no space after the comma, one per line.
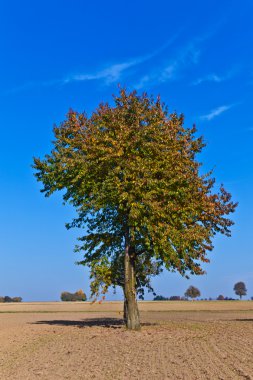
[131,312]
[125,311]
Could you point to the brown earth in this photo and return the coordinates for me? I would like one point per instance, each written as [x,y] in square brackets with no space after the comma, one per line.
[178,340]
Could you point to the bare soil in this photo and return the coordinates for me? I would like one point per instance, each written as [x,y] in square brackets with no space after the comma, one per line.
[178,340]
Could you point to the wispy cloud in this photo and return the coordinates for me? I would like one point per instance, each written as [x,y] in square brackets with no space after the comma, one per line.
[167,73]
[110,74]
[209,78]
[114,72]
[215,78]
[186,56]
[107,75]
[33,84]
[216,112]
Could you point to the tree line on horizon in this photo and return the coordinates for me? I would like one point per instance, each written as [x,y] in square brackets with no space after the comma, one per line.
[193,292]
[10,299]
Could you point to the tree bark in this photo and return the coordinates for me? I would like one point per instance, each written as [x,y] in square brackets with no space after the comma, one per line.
[131,312]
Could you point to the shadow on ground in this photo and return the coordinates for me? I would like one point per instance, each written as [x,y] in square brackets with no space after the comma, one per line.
[100,322]
[112,323]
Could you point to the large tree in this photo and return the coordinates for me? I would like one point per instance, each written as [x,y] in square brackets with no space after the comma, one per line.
[130,170]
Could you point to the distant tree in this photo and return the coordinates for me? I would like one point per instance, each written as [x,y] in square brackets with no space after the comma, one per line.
[16,299]
[131,172]
[7,299]
[1,299]
[160,298]
[66,296]
[220,298]
[192,292]
[240,289]
[77,296]
[80,295]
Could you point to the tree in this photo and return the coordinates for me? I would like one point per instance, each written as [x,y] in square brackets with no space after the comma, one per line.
[240,289]
[192,292]
[7,299]
[220,298]
[17,299]
[130,171]
[77,296]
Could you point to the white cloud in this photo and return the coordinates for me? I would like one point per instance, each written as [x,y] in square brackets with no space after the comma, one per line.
[216,112]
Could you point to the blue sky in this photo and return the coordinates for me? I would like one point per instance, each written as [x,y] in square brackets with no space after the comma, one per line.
[55,55]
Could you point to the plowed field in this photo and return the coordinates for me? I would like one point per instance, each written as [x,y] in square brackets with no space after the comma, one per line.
[178,340]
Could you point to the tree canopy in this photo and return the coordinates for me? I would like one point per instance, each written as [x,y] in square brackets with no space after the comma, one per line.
[130,171]
[240,289]
[192,292]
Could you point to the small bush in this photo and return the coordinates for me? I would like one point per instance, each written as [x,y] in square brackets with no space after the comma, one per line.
[175,298]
